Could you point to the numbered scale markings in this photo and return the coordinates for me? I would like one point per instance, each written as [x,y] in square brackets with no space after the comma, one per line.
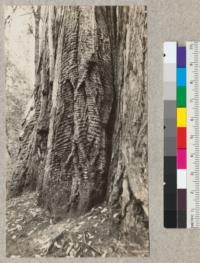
[181,65]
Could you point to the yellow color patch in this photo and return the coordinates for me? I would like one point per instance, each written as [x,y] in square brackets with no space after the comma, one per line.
[181,117]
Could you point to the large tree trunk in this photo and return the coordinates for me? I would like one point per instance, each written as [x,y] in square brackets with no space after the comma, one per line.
[128,182]
[85,135]
[81,105]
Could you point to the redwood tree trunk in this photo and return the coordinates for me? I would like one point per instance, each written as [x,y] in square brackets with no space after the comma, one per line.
[81,105]
[85,136]
[128,181]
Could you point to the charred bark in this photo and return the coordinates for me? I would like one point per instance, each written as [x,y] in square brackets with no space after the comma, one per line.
[85,134]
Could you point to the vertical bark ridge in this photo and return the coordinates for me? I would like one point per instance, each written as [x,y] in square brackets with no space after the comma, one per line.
[128,192]
[86,127]
[78,141]
[32,153]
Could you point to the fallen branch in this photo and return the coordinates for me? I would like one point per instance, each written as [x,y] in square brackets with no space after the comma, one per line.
[53,242]
[92,248]
[89,246]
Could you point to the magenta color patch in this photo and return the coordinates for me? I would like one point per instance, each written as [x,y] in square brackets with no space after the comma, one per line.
[181,159]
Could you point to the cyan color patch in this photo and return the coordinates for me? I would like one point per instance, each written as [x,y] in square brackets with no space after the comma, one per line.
[181,77]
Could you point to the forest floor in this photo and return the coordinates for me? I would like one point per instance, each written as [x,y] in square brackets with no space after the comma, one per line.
[31,232]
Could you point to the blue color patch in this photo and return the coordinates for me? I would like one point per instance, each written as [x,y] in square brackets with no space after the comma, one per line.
[181,77]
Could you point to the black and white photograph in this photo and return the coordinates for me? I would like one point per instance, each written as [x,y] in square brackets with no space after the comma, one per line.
[77,131]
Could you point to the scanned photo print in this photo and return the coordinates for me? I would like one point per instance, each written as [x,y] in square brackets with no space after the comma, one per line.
[76,126]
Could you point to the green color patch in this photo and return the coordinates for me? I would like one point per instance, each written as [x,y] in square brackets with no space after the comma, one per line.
[181,97]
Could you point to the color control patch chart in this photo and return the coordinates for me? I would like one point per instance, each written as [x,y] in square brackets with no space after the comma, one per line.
[181,75]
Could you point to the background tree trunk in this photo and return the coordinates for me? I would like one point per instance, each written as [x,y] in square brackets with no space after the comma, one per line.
[85,135]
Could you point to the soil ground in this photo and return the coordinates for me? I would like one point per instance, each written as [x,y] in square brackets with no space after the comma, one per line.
[31,232]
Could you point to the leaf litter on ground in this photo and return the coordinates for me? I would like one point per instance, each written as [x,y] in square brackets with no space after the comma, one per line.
[84,236]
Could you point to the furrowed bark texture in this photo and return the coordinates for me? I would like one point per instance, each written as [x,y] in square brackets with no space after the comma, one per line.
[128,192]
[85,133]
[82,101]
[35,126]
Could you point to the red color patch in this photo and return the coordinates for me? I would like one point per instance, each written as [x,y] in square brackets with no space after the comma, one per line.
[181,138]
